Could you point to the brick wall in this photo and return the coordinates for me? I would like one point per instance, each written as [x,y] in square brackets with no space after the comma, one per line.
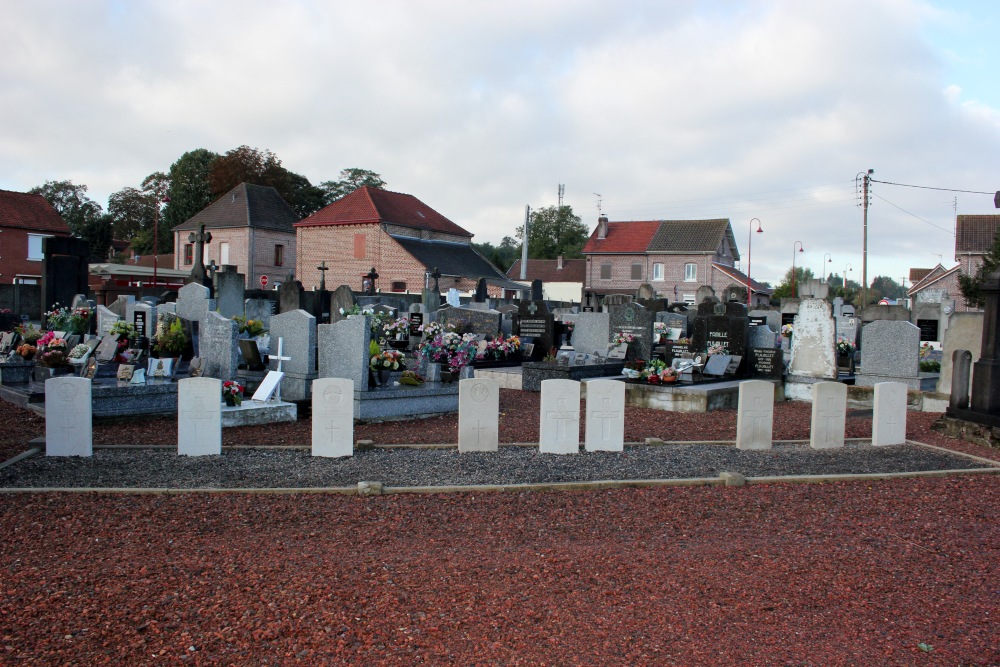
[673,273]
[14,255]
[238,239]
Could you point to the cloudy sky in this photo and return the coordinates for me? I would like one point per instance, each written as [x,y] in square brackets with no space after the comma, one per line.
[670,109]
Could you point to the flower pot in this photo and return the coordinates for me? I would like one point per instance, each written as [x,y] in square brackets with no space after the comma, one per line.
[233,401]
[383,377]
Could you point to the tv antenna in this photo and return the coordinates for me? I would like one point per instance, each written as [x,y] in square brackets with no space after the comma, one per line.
[599,212]
[562,191]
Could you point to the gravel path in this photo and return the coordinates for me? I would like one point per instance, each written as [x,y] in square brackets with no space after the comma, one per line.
[245,468]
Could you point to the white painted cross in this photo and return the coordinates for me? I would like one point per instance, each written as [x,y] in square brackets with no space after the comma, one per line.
[280,357]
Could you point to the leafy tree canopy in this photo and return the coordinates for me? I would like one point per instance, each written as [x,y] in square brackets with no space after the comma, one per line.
[884,287]
[784,288]
[971,285]
[188,186]
[250,165]
[70,202]
[350,180]
[502,256]
[554,231]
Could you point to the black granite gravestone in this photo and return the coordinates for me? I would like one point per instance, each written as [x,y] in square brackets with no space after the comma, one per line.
[534,320]
[766,363]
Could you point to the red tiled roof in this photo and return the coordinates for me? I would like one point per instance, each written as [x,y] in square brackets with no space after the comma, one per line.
[933,276]
[28,211]
[372,205]
[916,275]
[547,270]
[741,278]
[975,233]
[623,237]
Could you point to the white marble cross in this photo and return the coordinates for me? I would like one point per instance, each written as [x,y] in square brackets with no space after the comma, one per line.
[280,357]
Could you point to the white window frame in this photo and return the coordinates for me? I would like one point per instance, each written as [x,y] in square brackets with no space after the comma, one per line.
[37,238]
[223,253]
[688,298]
[658,272]
[690,272]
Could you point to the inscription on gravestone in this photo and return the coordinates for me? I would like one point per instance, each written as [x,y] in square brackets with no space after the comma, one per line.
[766,363]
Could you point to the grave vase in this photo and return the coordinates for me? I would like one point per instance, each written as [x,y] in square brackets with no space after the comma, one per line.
[232,401]
[383,377]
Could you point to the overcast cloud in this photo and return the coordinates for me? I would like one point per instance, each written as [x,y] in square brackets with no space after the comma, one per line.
[667,109]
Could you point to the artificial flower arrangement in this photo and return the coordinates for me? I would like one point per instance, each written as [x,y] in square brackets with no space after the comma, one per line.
[655,371]
[398,327]
[64,319]
[79,352]
[718,348]
[389,360]
[925,350]
[786,330]
[432,329]
[621,337]
[170,336]
[500,347]
[28,333]
[52,351]
[252,328]
[232,392]
[683,341]
[123,329]
[844,346]
[27,351]
[449,347]
[660,331]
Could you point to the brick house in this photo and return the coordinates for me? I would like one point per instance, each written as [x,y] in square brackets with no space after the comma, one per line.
[675,256]
[25,219]
[974,236]
[252,228]
[398,235]
[562,279]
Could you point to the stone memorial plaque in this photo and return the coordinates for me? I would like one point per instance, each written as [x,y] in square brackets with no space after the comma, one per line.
[160,369]
[6,341]
[755,415]
[478,415]
[605,416]
[559,425]
[618,351]
[333,417]
[757,320]
[139,320]
[199,417]
[579,359]
[734,363]
[268,386]
[125,372]
[829,412]
[416,321]
[766,363]
[717,364]
[68,417]
[108,348]
[889,418]
[251,354]
[138,376]
[91,369]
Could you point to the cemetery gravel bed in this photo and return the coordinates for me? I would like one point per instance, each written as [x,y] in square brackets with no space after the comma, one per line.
[411,467]
[896,572]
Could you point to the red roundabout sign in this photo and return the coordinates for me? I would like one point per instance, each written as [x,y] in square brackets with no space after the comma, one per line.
[263,281]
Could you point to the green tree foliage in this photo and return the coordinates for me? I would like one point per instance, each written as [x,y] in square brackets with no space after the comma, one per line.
[784,288]
[304,197]
[554,231]
[188,187]
[70,202]
[262,167]
[971,285]
[884,287]
[131,211]
[502,256]
[350,180]
[97,232]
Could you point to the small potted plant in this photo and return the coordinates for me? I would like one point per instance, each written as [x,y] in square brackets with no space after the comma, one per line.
[171,341]
[232,393]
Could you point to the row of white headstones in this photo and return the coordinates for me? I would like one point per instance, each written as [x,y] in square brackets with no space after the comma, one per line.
[69,432]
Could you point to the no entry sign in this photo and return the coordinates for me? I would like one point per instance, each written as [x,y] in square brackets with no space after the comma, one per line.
[263,281]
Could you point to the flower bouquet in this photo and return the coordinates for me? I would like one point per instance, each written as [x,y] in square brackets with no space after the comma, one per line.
[252,328]
[500,348]
[400,327]
[844,347]
[450,348]
[78,355]
[28,333]
[621,337]
[786,330]
[389,360]
[27,351]
[52,352]
[232,393]
[717,348]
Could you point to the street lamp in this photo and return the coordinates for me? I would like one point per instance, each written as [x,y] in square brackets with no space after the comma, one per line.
[847,267]
[823,272]
[156,236]
[801,249]
[749,240]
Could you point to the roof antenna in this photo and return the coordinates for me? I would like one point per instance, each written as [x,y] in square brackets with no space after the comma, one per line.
[599,211]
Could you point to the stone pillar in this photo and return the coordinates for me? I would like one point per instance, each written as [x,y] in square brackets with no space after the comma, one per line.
[961,364]
[986,371]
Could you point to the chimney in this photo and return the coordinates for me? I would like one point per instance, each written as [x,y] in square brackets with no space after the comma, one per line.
[559,262]
[602,227]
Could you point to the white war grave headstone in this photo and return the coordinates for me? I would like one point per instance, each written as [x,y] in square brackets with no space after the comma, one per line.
[559,423]
[829,412]
[333,417]
[199,417]
[605,426]
[889,418]
[755,415]
[68,417]
[478,415]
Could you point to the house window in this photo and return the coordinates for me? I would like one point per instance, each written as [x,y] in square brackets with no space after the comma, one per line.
[689,299]
[657,272]
[223,253]
[637,272]
[690,272]
[35,246]
[398,285]
[606,271]
[359,246]
[188,254]
[279,255]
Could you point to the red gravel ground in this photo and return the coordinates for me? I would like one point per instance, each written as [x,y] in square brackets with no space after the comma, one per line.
[900,572]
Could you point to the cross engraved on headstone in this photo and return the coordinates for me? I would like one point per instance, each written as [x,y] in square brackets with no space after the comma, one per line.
[759,415]
[201,411]
[322,268]
[69,414]
[334,429]
[829,414]
[480,427]
[606,414]
[893,423]
[532,308]
[561,415]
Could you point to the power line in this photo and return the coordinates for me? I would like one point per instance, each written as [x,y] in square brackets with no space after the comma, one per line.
[950,231]
[927,187]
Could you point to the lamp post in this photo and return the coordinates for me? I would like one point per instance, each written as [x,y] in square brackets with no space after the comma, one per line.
[749,241]
[156,236]
[801,249]
[822,271]
[847,267]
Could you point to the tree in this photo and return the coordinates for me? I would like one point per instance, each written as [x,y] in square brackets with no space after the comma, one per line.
[971,285]
[350,180]
[554,231]
[502,256]
[131,211]
[784,288]
[70,202]
[304,197]
[97,232]
[188,188]
[245,165]
[884,287]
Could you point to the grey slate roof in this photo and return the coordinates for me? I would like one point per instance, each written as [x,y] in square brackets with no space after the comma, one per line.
[692,236]
[246,205]
[455,259]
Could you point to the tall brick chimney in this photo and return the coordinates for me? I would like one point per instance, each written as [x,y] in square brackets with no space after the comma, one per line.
[559,262]
[602,227]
